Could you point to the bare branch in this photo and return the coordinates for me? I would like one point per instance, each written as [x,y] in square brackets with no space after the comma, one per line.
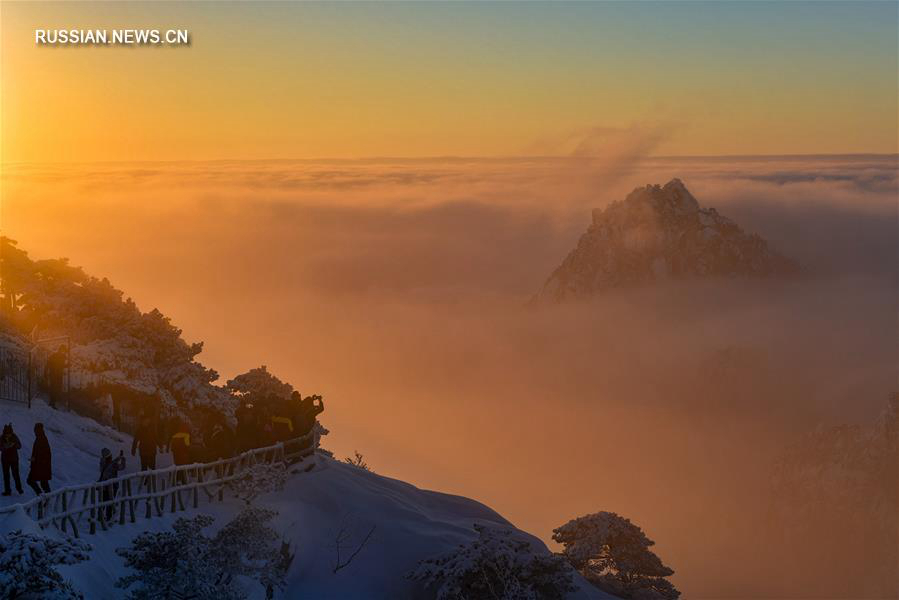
[343,536]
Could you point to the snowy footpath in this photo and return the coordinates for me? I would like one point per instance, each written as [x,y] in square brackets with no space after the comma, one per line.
[334,504]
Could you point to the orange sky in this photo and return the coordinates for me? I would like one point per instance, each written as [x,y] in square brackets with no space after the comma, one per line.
[297,80]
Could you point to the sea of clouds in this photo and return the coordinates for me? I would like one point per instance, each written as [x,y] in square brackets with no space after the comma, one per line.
[397,288]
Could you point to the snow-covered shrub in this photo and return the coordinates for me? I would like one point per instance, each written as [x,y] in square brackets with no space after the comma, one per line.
[249,547]
[258,479]
[176,564]
[613,554]
[27,565]
[496,566]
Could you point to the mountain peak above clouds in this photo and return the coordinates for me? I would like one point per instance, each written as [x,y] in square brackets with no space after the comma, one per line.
[658,233]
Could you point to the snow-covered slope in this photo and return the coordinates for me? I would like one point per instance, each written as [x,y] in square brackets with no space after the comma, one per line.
[409,524]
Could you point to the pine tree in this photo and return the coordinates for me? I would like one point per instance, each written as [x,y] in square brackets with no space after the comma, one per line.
[249,547]
[613,553]
[176,565]
[27,564]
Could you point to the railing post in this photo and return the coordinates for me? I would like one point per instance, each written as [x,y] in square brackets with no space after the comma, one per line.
[29,378]
[101,510]
[122,501]
[131,503]
[226,466]
[93,511]
[65,506]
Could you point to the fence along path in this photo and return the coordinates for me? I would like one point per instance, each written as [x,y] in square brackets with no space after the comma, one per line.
[151,494]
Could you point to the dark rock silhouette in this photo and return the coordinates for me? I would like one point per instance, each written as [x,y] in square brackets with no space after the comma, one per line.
[658,233]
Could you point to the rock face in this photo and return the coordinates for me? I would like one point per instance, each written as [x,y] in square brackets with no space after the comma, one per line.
[656,233]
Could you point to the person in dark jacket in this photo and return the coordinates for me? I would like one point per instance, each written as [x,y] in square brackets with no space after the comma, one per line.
[9,456]
[147,441]
[40,473]
[109,469]
[221,446]
[221,442]
[54,371]
[179,446]
[309,409]
[265,434]
[247,426]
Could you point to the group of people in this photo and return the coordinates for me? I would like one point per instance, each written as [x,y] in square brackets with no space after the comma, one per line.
[276,420]
[266,422]
[259,424]
[39,473]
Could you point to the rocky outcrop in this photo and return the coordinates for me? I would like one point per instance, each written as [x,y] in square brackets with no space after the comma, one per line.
[657,233]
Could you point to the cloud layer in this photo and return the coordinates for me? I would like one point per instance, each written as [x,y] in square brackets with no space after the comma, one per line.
[397,288]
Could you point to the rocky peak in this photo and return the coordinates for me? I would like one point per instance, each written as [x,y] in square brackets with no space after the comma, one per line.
[660,232]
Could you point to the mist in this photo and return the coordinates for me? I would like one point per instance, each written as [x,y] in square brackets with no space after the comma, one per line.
[398,290]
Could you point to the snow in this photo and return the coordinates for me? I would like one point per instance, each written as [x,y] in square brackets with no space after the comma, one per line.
[332,501]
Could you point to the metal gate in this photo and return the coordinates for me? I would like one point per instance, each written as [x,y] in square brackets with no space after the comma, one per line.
[16,383]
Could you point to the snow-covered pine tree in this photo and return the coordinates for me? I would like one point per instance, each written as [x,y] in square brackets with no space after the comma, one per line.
[176,564]
[613,554]
[185,563]
[113,344]
[498,565]
[258,384]
[27,564]
[249,547]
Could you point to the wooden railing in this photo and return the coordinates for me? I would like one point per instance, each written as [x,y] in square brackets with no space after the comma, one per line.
[153,493]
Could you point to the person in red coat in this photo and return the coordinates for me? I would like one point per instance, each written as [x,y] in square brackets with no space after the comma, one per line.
[40,473]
